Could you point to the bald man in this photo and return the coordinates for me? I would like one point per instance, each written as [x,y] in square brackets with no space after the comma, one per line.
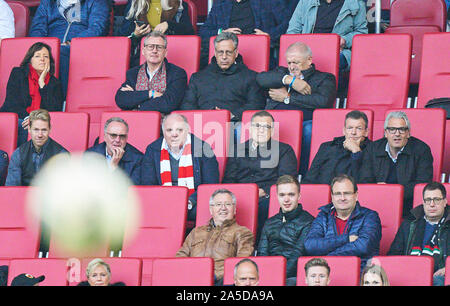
[300,86]
[179,159]
[246,273]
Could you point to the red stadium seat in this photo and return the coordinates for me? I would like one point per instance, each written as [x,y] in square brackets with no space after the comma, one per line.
[192,13]
[407,270]
[272,270]
[417,33]
[382,86]
[120,2]
[422,122]
[387,201]
[288,129]
[162,225]
[19,237]
[147,271]
[198,271]
[144,127]
[246,206]
[312,196]
[324,47]
[13,51]
[435,72]
[335,119]
[21,17]
[76,123]
[418,193]
[4,262]
[213,127]
[8,132]
[418,12]
[344,270]
[125,270]
[30,3]
[446,162]
[447,272]
[178,52]
[54,270]
[255,51]
[94,77]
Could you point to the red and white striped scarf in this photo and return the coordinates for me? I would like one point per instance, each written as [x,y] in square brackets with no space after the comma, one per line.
[185,166]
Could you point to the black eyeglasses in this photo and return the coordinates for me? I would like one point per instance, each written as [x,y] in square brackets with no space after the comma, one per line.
[151,47]
[435,200]
[263,126]
[393,130]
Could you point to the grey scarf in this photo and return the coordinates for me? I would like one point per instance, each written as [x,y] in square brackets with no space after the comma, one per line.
[70,10]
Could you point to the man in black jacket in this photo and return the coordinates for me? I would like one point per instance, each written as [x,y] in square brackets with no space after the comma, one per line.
[284,233]
[398,158]
[156,85]
[261,160]
[428,233]
[299,87]
[226,83]
[341,155]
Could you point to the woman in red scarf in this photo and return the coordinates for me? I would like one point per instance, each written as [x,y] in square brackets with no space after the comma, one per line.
[33,86]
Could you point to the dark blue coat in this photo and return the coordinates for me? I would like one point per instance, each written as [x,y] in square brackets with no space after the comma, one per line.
[4,161]
[271,16]
[48,22]
[323,239]
[131,161]
[176,80]
[206,168]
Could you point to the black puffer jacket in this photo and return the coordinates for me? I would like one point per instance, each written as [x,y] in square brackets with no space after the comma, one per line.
[333,159]
[234,89]
[323,90]
[284,235]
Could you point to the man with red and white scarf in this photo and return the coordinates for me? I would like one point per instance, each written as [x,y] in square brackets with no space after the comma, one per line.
[157,85]
[180,159]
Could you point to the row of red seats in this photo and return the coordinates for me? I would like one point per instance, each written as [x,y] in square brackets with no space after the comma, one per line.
[213,127]
[163,212]
[345,270]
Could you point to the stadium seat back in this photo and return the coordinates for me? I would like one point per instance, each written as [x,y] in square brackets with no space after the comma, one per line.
[186,271]
[8,132]
[21,17]
[416,12]
[54,270]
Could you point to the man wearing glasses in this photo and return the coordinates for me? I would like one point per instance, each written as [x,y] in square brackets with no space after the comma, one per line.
[261,160]
[116,150]
[399,158]
[344,227]
[428,233]
[222,237]
[157,85]
[226,83]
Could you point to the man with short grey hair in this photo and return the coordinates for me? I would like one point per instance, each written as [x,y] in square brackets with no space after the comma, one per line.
[300,86]
[157,85]
[226,83]
[398,158]
[246,273]
[116,150]
[222,237]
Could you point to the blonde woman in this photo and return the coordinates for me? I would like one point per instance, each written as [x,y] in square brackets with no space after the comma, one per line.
[374,275]
[98,273]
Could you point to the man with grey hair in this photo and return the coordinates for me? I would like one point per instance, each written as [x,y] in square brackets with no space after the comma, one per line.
[222,237]
[398,158]
[117,152]
[300,86]
[226,83]
[157,85]
[179,159]
[246,273]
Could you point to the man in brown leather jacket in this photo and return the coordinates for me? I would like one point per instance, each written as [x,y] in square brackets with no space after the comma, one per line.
[222,237]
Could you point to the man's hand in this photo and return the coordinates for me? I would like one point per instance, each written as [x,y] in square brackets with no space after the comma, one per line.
[141,30]
[44,73]
[26,122]
[353,145]
[162,27]
[116,157]
[262,193]
[278,94]
[156,94]
[259,32]
[440,272]
[352,238]
[67,43]
[342,43]
[233,30]
[127,88]
[301,87]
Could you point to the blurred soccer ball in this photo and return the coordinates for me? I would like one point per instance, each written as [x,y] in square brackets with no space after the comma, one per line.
[85,205]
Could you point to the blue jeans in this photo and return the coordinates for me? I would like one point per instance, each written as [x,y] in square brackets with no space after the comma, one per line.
[306,147]
[64,68]
[343,64]
[438,280]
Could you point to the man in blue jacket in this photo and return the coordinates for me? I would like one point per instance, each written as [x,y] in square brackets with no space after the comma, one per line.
[180,159]
[67,19]
[344,227]
[116,150]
